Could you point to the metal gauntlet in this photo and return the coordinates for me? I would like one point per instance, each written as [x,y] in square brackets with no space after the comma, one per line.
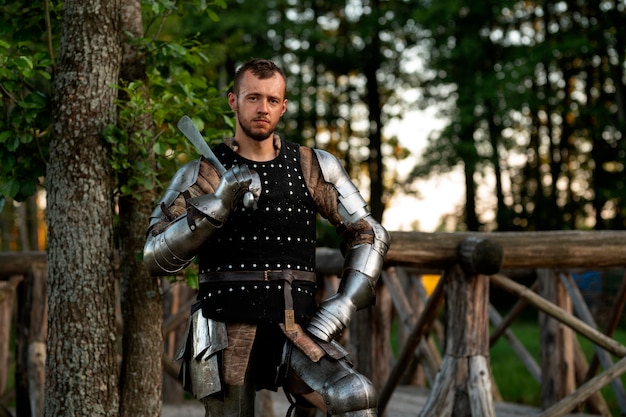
[362,267]
[356,290]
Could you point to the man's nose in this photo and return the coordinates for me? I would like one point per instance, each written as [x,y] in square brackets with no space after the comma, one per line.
[263,106]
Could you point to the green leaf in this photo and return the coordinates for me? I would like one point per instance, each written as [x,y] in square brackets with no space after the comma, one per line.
[191,279]
[10,188]
[159,148]
[213,16]
[4,136]
[13,143]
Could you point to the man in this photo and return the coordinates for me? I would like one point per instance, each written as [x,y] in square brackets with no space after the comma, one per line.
[256,324]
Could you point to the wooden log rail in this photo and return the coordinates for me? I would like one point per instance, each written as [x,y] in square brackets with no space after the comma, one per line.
[522,250]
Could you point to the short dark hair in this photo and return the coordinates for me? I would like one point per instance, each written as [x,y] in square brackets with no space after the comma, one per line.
[261,68]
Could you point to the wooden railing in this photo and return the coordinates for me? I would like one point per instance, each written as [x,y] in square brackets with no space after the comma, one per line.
[459,375]
[469,262]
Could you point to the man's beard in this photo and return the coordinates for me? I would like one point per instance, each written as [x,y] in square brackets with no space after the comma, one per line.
[259,137]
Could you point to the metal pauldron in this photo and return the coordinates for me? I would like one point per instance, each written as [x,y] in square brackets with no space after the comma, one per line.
[352,207]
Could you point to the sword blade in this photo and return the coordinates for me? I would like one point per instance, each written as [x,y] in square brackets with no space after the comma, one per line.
[186,126]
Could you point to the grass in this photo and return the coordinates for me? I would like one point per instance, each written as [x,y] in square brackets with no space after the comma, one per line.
[515,383]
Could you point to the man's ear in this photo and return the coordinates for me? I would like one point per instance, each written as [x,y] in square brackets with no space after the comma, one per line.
[232,101]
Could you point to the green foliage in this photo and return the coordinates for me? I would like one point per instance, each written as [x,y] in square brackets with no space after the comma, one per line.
[175,87]
[174,90]
[25,75]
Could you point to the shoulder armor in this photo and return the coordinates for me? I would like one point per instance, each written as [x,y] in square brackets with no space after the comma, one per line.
[352,206]
[184,178]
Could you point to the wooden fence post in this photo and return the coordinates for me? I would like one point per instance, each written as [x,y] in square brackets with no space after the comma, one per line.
[31,336]
[464,379]
[7,297]
[557,350]
[369,338]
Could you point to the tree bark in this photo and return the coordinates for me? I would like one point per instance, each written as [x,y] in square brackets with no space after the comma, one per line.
[141,377]
[81,366]
[463,384]
[375,163]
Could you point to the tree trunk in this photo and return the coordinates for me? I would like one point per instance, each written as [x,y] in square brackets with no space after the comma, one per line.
[81,367]
[375,163]
[142,312]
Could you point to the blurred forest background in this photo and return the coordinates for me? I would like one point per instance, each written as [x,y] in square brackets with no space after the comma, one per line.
[531,95]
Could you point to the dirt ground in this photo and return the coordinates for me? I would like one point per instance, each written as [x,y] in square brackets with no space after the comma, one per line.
[195,409]
[185,409]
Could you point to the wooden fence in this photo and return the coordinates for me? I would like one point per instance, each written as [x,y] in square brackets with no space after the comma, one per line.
[458,374]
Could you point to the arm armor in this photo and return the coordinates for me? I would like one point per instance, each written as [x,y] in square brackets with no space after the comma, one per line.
[171,251]
[363,262]
[174,248]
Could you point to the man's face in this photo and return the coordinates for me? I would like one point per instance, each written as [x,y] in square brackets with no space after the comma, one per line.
[259,105]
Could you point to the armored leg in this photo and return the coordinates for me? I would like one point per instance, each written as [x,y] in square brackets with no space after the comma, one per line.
[346,393]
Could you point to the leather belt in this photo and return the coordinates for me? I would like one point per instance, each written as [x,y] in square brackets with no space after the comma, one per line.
[288,276]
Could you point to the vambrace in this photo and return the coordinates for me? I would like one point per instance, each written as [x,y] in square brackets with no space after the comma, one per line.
[174,249]
[369,258]
[184,178]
